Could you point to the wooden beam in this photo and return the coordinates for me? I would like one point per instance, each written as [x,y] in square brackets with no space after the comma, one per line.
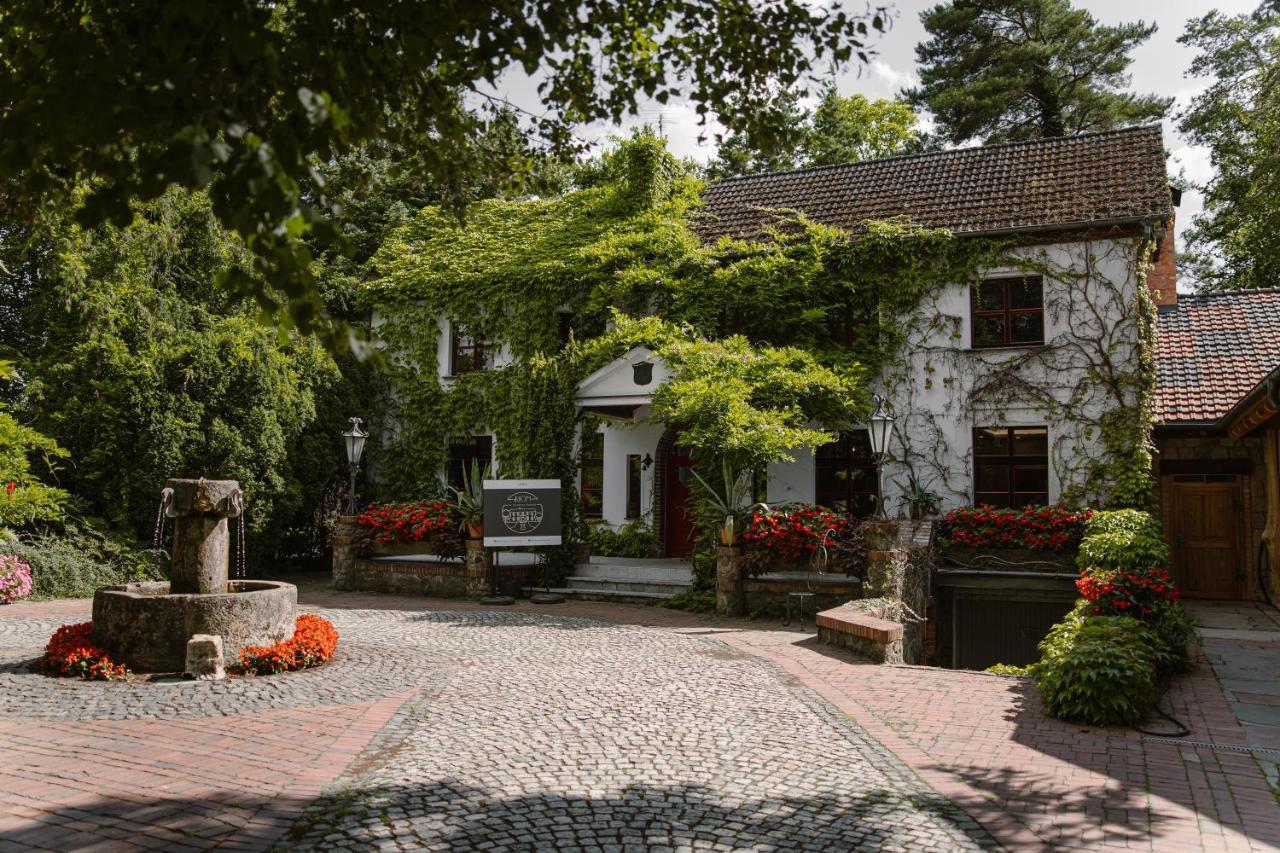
[1271,533]
[1251,418]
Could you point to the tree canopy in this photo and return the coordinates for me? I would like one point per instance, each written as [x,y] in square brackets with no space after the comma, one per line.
[246,100]
[1235,242]
[841,129]
[1005,70]
[131,360]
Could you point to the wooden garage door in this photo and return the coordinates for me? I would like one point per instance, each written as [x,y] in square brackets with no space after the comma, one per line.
[1205,532]
[1003,630]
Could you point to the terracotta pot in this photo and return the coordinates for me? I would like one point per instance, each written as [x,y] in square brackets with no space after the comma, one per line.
[728,539]
[475,531]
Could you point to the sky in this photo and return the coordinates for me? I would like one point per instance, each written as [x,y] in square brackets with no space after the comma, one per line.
[1159,66]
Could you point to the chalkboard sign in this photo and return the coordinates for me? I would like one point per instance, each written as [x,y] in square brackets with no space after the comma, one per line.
[521,512]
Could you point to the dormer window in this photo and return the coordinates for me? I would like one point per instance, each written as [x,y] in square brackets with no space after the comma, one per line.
[1008,312]
[467,353]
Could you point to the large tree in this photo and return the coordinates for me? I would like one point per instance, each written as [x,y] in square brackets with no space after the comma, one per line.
[246,98]
[1235,242]
[132,360]
[1003,70]
[841,129]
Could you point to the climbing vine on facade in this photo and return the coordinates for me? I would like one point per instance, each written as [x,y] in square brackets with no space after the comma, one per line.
[766,336]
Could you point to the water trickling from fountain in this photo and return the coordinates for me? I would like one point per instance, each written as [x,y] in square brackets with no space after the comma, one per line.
[157,539]
[240,558]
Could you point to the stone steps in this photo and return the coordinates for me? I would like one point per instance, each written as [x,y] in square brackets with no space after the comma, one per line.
[625,585]
[619,596]
[632,581]
[621,569]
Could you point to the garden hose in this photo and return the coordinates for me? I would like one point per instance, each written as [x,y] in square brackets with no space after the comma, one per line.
[1182,731]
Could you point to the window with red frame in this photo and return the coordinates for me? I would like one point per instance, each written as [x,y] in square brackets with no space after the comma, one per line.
[845,474]
[1011,466]
[467,354]
[1008,312]
[591,487]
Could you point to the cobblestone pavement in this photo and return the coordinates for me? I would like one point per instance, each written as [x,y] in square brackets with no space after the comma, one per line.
[637,727]
[457,730]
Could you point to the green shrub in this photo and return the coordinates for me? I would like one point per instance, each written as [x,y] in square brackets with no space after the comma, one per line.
[634,539]
[1009,669]
[1124,550]
[79,561]
[1097,670]
[1133,521]
[692,599]
[1173,630]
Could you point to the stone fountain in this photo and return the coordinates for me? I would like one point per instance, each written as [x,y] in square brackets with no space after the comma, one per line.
[147,625]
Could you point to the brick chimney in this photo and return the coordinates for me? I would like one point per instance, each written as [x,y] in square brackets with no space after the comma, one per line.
[1162,279]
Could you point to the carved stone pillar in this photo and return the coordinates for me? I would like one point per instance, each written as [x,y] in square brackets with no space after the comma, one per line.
[347,541]
[201,540]
[730,599]
[478,563]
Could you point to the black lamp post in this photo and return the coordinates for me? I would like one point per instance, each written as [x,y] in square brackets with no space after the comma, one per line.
[881,427]
[354,438]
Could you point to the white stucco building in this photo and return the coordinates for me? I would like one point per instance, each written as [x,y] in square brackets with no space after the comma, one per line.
[1003,384]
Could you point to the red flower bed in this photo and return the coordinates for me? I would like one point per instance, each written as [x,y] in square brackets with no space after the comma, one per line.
[1036,528]
[314,641]
[1127,593]
[418,521]
[72,654]
[794,533]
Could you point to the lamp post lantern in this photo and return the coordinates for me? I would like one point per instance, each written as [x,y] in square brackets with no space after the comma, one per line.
[354,438]
[881,428]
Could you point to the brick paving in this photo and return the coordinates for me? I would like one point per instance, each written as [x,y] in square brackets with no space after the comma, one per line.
[546,726]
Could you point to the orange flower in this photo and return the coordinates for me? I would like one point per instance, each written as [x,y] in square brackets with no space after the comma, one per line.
[313,642]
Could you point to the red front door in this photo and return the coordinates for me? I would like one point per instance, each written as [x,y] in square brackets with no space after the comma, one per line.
[679,521]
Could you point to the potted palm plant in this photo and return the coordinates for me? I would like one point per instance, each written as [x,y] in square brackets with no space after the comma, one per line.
[468,501]
[920,501]
[730,501]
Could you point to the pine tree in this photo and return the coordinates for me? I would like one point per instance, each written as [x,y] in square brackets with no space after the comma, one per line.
[1004,70]
[1235,242]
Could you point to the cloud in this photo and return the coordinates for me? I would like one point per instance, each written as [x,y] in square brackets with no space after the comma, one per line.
[892,77]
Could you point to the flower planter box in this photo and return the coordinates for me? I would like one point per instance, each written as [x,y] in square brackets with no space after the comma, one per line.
[400,549]
[1007,560]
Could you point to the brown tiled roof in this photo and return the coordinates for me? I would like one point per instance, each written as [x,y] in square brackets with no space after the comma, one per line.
[1213,349]
[1091,178]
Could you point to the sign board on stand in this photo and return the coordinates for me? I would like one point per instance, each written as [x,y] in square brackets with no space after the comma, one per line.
[521,512]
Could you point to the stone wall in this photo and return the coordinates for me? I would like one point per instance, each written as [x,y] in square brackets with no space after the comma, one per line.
[436,577]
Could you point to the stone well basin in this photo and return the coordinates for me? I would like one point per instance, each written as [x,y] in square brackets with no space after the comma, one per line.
[146,628]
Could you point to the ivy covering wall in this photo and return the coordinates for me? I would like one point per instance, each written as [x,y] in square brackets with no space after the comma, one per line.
[765,336]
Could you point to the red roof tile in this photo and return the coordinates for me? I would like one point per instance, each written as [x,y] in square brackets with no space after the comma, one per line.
[1086,179]
[1211,350]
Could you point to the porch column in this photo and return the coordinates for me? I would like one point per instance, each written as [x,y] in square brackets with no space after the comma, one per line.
[477,569]
[730,599]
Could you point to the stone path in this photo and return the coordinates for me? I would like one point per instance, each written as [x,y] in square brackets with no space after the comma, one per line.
[597,727]
[1241,641]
